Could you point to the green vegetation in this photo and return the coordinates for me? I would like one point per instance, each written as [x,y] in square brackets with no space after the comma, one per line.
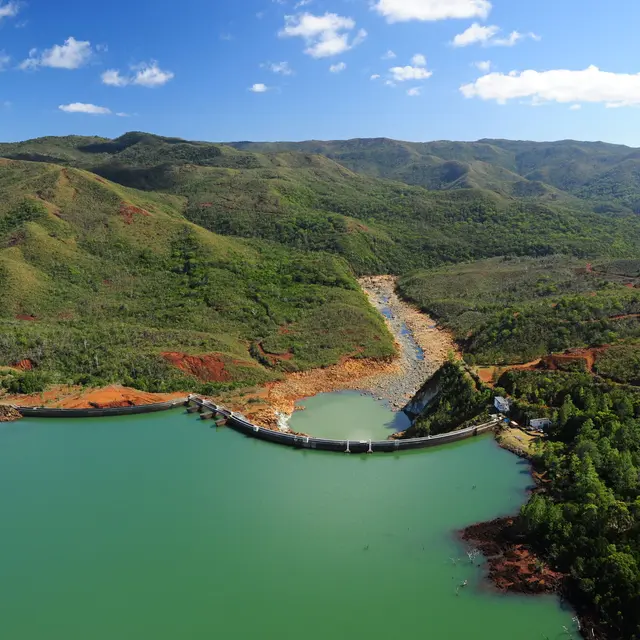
[620,363]
[586,520]
[310,202]
[97,281]
[515,310]
[602,177]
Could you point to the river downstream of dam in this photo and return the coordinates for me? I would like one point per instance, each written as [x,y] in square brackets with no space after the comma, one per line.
[160,526]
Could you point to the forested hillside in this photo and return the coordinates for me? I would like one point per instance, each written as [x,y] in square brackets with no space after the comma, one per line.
[585,521]
[100,283]
[309,202]
[513,310]
[604,176]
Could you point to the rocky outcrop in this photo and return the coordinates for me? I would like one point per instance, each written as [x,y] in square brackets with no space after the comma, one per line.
[8,413]
[429,391]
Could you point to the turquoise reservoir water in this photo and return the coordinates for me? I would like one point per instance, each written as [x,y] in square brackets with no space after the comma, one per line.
[160,527]
[347,415]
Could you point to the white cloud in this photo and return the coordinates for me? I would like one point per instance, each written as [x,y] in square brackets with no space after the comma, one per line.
[302,3]
[419,60]
[414,92]
[258,88]
[337,68]
[575,107]
[559,85]
[402,74]
[483,65]
[431,10]
[146,74]
[513,38]
[390,55]
[375,76]
[325,36]
[486,36]
[474,34]
[122,114]
[9,10]
[149,74]
[113,78]
[81,107]
[282,68]
[70,55]
[4,60]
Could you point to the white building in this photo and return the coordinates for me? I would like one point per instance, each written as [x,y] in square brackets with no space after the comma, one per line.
[502,404]
[540,424]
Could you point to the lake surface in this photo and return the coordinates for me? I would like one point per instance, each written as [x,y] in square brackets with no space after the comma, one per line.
[161,527]
[347,415]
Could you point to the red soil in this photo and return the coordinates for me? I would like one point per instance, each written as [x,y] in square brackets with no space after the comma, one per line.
[589,356]
[112,396]
[208,367]
[625,316]
[206,204]
[24,365]
[24,316]
[127,211]
[513,566]
[552,362]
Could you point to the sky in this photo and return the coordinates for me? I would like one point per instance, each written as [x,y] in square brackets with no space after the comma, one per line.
[228,70]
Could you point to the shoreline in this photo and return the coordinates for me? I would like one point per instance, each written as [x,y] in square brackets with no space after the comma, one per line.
[515,567]
[110,397]
[393,381]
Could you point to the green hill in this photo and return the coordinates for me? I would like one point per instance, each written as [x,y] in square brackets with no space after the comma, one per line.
[97,281]
[514,310]
[595,172]
[310,202]
[153,232]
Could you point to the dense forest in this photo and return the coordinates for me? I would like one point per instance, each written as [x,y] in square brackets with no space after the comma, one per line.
[586,519]
[457,399]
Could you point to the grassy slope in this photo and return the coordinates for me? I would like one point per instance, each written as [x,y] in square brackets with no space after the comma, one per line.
[516,310]
[115,276]
[310,202]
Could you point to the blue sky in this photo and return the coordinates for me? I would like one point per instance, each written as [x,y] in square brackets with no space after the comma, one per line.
[558,69]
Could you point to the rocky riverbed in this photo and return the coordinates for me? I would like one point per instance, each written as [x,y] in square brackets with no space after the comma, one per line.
[422,346]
